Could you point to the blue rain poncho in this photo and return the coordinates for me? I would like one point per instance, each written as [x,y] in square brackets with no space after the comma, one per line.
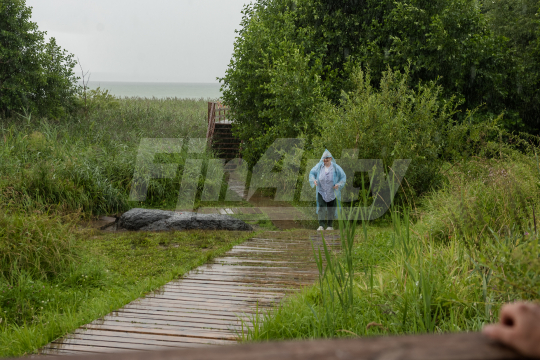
[339,178]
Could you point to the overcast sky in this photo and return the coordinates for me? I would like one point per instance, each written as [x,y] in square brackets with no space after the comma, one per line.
[147,41]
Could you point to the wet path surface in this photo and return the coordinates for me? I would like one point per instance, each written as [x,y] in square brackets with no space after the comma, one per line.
[206,306]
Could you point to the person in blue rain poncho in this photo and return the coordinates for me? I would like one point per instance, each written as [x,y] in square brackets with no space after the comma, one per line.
[329,178]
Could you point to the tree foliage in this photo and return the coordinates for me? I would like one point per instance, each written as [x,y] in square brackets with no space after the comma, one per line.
[273,83]
[292,54]
[390,121]
[518,21]
[35,75]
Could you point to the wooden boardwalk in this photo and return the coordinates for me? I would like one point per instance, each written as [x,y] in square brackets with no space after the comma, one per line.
[206,306]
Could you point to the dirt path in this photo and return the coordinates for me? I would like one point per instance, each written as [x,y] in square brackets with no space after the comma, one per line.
[205,307]
[281,213]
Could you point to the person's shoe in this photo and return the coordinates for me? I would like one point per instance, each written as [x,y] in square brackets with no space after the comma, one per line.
[320,228]
[329,228]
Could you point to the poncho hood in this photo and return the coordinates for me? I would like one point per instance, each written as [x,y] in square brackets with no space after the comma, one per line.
[326,154]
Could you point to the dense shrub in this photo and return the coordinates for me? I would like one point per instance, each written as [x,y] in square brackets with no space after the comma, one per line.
[389,122]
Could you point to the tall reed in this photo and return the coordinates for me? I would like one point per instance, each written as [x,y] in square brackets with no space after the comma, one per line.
[87,162]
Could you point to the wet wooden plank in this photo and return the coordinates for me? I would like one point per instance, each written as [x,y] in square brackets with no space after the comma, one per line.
[211,300]
[184,305]
[169,332]
[152,318]
[235,259]
[277,240]
[168,325]
[191,342]
[214,294]
[118,344]
[183,308]
[222,292]
[262,277]
[217,294]
[236,289]
[85,349]
[54,352]
[144,338]
[193,306]
[248,271]
[168,321]
[215,304]
[220,282]
[197,318]
[252,290]
[226,285]
[265,256]
[262,264]
[258,281]
[271,254]
[254,279]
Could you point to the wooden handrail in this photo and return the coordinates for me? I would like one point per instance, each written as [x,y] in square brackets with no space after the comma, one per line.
[463,346]
[214,107]
[211,123]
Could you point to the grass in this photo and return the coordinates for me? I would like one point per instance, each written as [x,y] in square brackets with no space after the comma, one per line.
[87,162]
[112,270]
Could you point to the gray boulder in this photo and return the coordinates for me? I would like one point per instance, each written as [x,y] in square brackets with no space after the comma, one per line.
[160,220]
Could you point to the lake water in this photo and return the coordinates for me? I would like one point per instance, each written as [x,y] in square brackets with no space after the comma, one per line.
[160,90]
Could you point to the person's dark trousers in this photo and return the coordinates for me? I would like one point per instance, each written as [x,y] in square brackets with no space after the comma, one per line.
[326,211]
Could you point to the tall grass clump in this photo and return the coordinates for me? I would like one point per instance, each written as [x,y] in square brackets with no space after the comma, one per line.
[34,249]
[485,197]
[38,245]
[87,162]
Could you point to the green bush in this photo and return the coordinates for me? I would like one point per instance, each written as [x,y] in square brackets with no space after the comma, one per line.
[390,122]
[96,99]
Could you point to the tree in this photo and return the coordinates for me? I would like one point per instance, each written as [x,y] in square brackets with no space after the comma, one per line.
[273,83]
[321,41]
[35,75]
[519,22]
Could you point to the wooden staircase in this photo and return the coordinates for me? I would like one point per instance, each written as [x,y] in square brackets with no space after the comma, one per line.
[219,135]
